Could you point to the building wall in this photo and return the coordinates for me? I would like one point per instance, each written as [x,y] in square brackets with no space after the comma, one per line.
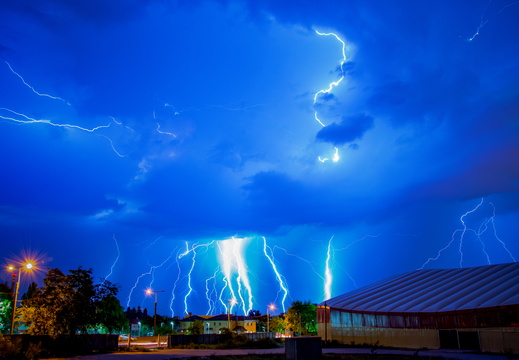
[215,326]
[334,325]
[406,338]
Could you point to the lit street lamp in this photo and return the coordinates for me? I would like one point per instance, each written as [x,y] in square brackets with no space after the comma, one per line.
[270,307]
[149,292]
[27,266]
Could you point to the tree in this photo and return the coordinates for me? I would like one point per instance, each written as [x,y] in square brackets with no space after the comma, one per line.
[70,303]
[302,317]
[254,313]
[31,290]
[196,328]
[108,310]
[6,308]
[277,324]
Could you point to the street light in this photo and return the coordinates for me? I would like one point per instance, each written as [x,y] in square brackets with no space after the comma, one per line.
[27,266]
[149,292]
[270,307]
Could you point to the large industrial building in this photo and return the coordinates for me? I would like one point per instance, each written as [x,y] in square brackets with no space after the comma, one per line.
[466,308]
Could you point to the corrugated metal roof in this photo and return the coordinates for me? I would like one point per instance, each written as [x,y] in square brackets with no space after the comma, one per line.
[436,290]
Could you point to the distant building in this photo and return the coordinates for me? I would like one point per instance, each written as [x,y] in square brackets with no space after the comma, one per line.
[467,308]
[215,323]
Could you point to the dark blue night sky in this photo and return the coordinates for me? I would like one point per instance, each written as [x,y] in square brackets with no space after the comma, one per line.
[177,145]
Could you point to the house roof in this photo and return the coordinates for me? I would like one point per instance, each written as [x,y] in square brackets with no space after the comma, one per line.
[436,290]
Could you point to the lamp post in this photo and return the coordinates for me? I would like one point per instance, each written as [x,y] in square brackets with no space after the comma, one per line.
[149,292]
[27,266]
[232,302]
[270,307]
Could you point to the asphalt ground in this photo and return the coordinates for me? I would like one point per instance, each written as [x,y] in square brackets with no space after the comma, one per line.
[166,354]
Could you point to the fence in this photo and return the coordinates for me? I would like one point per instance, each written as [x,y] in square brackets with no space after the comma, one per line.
[66,345]
[212,339]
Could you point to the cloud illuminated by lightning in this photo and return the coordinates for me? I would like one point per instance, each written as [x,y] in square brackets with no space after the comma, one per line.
[328,90]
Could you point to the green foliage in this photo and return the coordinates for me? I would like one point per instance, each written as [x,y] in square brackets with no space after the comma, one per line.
[277,324]
[196,328]
[71,303]
[6,307]
[108,310]
[302,317]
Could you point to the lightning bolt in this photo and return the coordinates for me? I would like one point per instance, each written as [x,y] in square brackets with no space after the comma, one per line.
[328,273]
[116,259]
[174,287]
[279,277]
[32,88]
[189,250]
[232,261]
[484,21]
[329,89]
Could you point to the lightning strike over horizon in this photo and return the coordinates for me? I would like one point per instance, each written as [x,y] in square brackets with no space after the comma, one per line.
[281,280]
[328,90]
[32,88]
[328,278]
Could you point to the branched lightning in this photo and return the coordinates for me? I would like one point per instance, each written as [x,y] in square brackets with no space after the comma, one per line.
[30,120]
[484,21]
[209,293]
[478,233]
[32,88]
[281,280]
[149,272]
[328,90]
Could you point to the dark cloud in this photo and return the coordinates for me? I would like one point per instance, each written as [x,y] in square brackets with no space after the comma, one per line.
[350,128]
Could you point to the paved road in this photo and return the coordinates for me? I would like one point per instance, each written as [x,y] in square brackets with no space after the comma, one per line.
[167,354]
